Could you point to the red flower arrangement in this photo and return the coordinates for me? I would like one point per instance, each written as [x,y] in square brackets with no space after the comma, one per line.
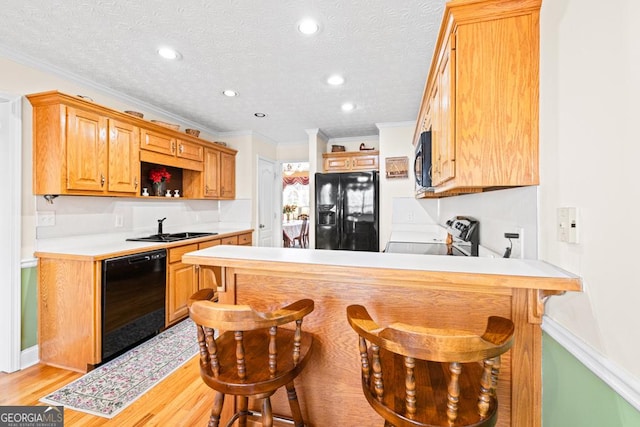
[159,175]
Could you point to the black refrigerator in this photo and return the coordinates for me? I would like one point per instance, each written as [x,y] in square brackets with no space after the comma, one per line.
[347,211]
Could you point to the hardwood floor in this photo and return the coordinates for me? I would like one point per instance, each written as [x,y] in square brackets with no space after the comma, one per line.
[182,399]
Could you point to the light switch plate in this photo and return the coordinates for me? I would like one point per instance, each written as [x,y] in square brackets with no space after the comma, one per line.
[567,225]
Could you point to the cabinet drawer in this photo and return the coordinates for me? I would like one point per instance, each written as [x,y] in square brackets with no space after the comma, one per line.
[153,141]
[188,150]
[231,240]
[175,254]
[209,243]
[244,239]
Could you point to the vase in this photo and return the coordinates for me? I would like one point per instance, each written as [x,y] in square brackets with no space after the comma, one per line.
[159,188]
[288,217]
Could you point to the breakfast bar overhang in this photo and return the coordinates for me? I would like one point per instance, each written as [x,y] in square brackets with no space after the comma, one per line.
[433,291]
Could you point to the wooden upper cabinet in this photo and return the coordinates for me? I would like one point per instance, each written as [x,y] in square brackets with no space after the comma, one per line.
[227,176]
[79,150]
[443,106]
[86,150]
[163,148]
[211,173]
[219,174]
[82,148]
[124,157]
[350,161]
[482,96]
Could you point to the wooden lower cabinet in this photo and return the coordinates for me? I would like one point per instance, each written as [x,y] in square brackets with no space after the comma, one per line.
[181,284]
[348,161]
[185,279]
[70,295]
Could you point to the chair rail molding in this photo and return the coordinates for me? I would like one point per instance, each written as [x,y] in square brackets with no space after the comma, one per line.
[625,384]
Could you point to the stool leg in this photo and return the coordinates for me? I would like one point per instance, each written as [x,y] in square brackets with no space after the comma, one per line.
[218,401]
[267,415]
[294,405]
[243,404]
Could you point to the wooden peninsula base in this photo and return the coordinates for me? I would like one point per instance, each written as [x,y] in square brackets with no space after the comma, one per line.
[455,292]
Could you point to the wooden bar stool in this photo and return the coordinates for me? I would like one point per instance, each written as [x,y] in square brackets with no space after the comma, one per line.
[417,376]
[254,356]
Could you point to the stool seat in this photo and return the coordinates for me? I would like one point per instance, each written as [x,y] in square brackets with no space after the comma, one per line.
[425,377]
[254,355]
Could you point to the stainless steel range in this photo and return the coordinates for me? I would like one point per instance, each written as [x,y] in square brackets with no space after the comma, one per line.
[462,240]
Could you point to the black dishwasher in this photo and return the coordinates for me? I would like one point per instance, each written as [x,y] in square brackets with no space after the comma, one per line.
[133,300]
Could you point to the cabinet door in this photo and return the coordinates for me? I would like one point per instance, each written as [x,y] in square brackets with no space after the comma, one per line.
[364,163]
[447,147]
[189,150]
[227,176]
[124,158]
[337,164]
[86,150]
[157,142]
[211,173]
[183,282]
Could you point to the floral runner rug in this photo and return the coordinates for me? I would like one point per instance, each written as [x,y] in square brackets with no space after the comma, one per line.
[110,388]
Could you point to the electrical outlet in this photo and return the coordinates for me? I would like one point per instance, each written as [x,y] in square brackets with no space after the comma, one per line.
[46,218]
[119,221]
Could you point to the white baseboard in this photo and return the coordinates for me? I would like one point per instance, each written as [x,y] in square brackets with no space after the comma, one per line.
[625,384]
[29,357]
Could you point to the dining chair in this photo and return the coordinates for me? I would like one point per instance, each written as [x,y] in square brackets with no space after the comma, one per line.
[417,377]
[286,241]
[304,230]
[254,355]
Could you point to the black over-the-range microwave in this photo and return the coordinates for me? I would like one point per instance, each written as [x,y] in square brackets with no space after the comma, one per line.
[422,163]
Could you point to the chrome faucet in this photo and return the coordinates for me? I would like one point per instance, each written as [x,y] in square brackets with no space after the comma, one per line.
[160,225]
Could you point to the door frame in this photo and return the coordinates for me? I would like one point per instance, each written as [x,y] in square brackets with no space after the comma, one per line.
[11,217]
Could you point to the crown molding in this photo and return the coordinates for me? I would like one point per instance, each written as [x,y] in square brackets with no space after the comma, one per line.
[134,102]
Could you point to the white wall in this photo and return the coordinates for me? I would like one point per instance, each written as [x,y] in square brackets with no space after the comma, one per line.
[589,92]
[395,140]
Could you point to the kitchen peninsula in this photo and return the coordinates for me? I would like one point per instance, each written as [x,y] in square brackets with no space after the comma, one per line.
[434,291]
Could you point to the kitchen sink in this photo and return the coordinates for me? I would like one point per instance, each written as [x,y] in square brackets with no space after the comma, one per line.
[171,237]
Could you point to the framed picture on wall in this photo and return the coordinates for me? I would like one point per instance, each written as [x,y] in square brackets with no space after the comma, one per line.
[397,167]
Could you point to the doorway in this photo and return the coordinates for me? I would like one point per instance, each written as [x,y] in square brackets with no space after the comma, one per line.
[267,202]
[295,204]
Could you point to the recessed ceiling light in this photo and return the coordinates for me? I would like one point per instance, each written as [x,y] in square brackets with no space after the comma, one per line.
[348,106]
[169,53]
[260,115]
[308,26]
[230,93]
[335,80]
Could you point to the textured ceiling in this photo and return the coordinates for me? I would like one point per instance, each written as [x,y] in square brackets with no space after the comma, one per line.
[382,47]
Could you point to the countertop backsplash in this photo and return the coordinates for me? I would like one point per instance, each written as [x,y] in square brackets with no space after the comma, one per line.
[87,216]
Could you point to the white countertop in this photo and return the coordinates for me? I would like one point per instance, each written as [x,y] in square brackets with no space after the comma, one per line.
[105,245]
[355,259]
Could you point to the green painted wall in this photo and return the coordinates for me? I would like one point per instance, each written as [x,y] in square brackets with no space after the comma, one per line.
[573,396]
[29,304]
